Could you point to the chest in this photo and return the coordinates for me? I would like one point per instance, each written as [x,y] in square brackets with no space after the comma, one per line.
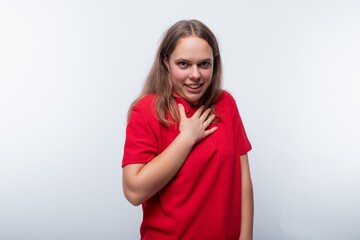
[217,151]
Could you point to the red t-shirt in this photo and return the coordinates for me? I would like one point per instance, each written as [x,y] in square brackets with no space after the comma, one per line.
[202,201]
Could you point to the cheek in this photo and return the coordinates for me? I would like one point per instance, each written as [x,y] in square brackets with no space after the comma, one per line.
[178,75]
[207,75]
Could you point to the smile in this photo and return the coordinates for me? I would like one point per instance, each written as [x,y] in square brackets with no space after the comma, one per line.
[194,86]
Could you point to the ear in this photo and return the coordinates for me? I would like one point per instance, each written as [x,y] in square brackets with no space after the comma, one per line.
[166,62]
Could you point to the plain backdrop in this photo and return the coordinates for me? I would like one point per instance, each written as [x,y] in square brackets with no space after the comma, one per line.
[70,69]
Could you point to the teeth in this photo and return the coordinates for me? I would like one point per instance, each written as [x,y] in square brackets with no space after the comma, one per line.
[194,86]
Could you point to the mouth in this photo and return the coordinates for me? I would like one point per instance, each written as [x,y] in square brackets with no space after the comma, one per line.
[194,86]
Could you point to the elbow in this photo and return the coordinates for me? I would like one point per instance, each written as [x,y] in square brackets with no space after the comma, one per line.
[133,197]
[134,201]
[133,186]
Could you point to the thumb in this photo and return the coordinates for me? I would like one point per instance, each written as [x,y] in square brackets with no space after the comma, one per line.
[181,111]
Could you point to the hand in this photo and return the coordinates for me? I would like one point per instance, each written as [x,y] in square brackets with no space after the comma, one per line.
[195,127]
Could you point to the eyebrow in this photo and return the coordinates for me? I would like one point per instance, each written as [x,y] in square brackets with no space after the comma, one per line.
[207,59]
[203,60]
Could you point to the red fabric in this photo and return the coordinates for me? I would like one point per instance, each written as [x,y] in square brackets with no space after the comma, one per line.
[203,200]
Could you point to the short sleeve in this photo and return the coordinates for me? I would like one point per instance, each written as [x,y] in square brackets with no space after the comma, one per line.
[141,144]
[242,142]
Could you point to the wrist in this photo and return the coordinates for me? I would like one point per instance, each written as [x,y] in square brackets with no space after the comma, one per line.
[187,138]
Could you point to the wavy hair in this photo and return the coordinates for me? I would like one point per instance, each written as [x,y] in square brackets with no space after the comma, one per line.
[158,82]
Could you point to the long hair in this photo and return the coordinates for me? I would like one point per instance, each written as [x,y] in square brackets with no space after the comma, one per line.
[158,82]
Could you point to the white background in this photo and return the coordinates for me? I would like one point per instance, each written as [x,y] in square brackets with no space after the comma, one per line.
[69,70]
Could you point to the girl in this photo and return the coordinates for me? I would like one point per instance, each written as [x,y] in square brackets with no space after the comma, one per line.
[185,154]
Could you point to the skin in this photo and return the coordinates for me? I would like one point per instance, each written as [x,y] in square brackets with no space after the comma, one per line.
[247,200]
[190,71]
[191,68]
[142,181]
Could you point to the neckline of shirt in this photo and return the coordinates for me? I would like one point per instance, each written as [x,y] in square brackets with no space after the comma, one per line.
[188,108]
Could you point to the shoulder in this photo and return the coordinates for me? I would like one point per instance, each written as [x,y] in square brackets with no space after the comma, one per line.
[226,99]
[144,106]
[145,101]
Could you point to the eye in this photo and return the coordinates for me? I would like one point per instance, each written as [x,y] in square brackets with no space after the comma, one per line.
[182,64]
[205,64]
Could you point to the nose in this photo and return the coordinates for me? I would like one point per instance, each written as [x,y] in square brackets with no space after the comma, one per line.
[194,73]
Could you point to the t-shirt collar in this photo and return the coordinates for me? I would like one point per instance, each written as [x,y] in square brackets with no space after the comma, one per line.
[188,108]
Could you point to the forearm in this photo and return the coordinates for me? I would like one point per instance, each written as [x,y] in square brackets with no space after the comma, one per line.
[247,201]
[144,181]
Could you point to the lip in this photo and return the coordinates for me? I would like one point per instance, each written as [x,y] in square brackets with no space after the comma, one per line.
[194,87]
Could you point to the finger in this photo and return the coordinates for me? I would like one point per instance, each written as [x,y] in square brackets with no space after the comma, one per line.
[210,131]
[181,111]
[205,115]
[209,120]
[198,112]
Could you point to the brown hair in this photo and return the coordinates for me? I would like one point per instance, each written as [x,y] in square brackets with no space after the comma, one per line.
[157,81]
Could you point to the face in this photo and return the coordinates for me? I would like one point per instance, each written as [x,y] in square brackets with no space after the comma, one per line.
[191,67]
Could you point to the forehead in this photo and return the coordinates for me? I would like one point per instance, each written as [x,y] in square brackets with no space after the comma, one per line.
[192,47]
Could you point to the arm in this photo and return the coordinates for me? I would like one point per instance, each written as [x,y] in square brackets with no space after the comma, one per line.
[142,181]
[247,200]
